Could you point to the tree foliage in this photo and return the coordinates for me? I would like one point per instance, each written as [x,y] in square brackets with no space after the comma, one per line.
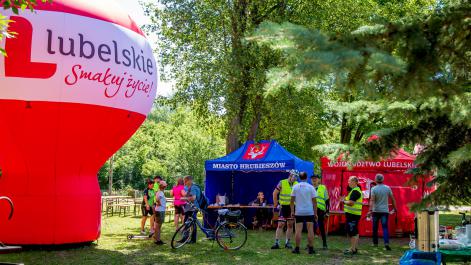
[202,46]
[415,71]
[171,143]
[15,6]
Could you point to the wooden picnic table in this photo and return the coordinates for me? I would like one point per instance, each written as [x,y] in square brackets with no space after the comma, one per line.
[114,200]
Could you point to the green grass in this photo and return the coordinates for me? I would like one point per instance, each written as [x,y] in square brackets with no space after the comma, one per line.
[114,248]
[451,219]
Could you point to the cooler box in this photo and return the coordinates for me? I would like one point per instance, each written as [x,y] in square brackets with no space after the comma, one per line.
[414,257]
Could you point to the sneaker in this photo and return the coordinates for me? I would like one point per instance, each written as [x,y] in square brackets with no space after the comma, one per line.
[288,246]
[296,251]
[324,247]
[348,252]
[354,252]
[387,247]
[311,251]
[160,242]
[143,233]
[276,246]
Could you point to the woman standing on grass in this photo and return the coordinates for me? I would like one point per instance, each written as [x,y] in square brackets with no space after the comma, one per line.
[160,207]
[177,192]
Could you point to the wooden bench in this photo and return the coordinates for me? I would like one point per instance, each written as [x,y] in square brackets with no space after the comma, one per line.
[125,206]
[170,210]
[137,205]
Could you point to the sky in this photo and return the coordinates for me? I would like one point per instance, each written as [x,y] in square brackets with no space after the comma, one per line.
[137,13]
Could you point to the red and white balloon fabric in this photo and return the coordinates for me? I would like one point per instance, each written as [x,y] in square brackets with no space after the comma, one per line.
[79,79]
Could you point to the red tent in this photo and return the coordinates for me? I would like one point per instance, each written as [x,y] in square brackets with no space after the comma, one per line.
[335,176]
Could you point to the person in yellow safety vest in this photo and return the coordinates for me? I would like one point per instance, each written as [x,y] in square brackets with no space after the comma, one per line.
[323,206]
[283,190]
[352,206]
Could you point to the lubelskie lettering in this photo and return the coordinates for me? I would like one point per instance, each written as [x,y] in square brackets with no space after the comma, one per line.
[80,47]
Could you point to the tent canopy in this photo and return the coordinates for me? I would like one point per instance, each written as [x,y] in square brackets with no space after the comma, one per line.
[335,175]
[398,160]
[253,167]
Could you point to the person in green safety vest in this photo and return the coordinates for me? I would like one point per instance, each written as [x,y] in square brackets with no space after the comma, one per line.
[323,206]
[283,190]
[352,206]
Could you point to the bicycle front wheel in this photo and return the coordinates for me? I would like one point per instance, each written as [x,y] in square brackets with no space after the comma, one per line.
[231,236]
[182,235]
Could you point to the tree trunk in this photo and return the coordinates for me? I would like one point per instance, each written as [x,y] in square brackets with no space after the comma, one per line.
[256,119]
[110,176]
[237,101]
[345,130]
[359,133]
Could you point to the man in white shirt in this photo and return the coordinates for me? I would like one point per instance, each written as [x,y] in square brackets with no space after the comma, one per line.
[304,195]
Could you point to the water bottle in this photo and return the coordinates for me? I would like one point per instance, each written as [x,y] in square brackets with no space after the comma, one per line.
[412,243]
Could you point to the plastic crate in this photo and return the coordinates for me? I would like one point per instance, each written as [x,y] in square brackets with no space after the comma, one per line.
[414,257]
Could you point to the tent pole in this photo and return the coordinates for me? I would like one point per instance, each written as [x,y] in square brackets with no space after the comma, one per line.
[232,187]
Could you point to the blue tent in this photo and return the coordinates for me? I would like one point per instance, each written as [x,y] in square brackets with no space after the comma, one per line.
[252,168]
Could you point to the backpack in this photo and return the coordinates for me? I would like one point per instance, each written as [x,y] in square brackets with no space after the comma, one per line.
[203,201]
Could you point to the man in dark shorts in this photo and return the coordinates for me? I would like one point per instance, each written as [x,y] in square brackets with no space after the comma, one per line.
[353,205]
[283,189]
[304,195]
[147,207]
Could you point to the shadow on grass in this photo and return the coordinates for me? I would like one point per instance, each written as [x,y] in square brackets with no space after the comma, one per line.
[114,248]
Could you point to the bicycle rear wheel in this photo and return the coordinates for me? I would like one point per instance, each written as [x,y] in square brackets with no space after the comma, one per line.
[231,236]
[182,235]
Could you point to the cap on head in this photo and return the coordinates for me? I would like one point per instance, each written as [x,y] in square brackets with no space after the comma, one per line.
[379,178]
[316,176]
[162,184]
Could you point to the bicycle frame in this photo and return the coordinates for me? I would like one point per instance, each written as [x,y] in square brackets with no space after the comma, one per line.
[229,235]
[209,232]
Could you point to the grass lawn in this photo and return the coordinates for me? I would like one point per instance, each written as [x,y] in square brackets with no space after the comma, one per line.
[114,248]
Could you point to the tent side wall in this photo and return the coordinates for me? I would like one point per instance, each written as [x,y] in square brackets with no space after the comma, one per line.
[400,223]
[242,187]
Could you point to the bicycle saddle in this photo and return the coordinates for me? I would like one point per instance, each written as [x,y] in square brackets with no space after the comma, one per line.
[234,213]
[223,211]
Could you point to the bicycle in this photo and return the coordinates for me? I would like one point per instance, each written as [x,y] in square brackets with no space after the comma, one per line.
[228,231]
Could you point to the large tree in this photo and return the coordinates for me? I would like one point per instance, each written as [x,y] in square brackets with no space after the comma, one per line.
[202,47]
[414,71]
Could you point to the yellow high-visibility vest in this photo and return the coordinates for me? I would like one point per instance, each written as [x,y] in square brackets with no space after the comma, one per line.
[357,206]
[321,198]
[285,194]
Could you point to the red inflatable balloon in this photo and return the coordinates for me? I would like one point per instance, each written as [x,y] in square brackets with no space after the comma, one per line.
[78,81]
